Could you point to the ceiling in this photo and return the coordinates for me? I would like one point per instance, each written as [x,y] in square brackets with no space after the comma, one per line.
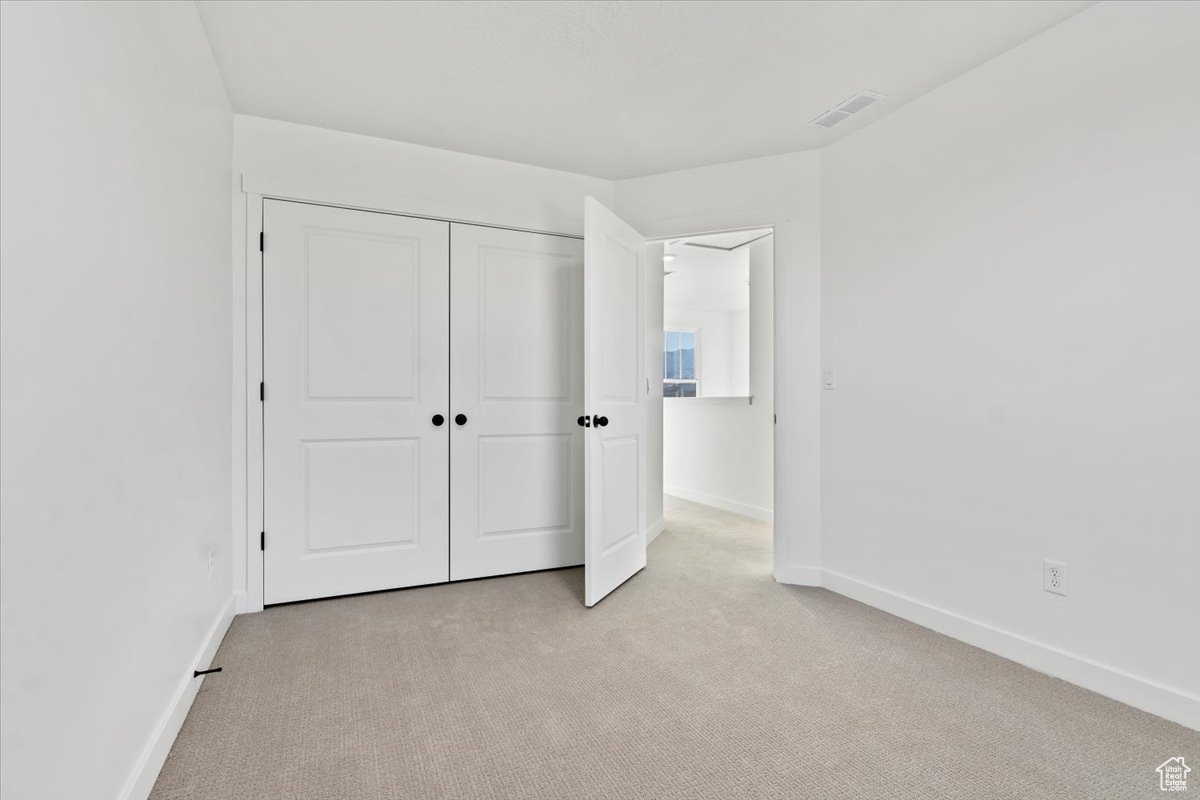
[602,88]
[709,274]
[730,240]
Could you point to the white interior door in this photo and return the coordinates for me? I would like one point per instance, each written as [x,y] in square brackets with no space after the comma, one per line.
[615,399]
[516,453]
[355,361]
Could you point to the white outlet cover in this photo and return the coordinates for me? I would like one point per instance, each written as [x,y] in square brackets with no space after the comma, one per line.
[1054,577]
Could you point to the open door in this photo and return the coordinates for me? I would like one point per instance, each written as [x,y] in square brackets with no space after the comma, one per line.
[614,401]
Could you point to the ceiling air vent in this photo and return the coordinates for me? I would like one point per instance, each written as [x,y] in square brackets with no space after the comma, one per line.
[844,110]
[830,118]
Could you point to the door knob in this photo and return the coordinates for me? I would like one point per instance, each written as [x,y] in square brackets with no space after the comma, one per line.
[601,421]
[585,421]
[460,419]
[438,419]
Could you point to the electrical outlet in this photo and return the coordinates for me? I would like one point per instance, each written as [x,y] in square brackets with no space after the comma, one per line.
[212,557]
[829,380]
[1054,577]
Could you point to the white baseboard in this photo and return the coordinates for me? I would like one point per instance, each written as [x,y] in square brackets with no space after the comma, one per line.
[655,529]
[798,575]
[1121,686]
[141,780]
[764,514]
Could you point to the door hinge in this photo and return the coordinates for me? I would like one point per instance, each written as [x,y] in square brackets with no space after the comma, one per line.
[261,242]
[262,541]
[262,392]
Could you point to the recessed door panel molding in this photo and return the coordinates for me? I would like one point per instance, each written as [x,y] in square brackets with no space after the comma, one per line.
[517,380]
[362,297]
[525,484]
[356,365]
[525,335]
[352,494]
[620,467]
[619,294]
[615,399]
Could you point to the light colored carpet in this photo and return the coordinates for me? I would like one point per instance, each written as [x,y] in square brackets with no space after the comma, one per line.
[700,678]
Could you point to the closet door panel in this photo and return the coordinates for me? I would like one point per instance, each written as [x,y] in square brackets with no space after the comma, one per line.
[516,376]
[355,360]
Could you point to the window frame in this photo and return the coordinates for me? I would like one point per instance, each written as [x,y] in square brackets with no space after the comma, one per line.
[695,332]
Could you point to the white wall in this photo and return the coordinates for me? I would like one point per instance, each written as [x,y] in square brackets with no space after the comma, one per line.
[1011,284]
[707,291]
[300,161]
[721,453]
[424,180]
[654,406]
[303,161]
[739,348]
[714,340]
[360,170]
[783,191]
[115,143]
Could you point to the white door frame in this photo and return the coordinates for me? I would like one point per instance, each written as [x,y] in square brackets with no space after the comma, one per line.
[247,557]
[775,539]
[779,219]
[802,467]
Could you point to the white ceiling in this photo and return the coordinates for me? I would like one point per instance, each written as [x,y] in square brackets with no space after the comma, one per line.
[709,277]
[730,240]
[609,89]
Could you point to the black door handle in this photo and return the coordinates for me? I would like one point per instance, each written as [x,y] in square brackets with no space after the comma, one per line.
[601,421]
[460,419]
[585,421]
[438,419]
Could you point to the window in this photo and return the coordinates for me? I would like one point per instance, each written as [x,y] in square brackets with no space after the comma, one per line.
[679,364]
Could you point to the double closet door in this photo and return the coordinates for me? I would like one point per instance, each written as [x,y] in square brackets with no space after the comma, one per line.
[423,386]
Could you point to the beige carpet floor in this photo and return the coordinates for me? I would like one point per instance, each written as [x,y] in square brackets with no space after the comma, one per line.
[700,678]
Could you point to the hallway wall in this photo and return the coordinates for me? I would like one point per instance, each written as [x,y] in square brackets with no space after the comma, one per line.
[722,453]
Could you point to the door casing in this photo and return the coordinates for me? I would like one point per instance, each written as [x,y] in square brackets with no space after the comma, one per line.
[247,520]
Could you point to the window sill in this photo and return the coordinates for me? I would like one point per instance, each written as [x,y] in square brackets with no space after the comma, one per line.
[711,401]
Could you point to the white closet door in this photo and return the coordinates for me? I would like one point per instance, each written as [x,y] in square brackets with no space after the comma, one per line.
[516,462]
[615,397]
[355,359]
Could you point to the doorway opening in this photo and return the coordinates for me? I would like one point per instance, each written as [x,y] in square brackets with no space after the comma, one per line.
[717,359]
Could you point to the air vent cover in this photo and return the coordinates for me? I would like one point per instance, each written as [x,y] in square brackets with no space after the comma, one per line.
[830,118]
[843,110]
